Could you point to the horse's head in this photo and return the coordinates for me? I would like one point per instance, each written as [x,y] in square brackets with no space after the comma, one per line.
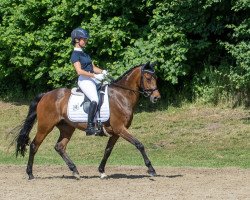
[148,82]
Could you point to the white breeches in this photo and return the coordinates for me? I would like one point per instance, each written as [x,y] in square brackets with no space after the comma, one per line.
[88,86]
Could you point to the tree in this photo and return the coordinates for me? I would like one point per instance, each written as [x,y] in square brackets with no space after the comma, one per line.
[202,46]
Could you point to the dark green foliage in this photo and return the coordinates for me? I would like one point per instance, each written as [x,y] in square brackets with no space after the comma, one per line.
[201,46]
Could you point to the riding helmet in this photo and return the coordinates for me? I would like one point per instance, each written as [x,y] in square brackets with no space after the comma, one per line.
[79,33]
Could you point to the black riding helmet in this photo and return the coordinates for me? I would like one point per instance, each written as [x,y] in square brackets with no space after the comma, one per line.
[79,33]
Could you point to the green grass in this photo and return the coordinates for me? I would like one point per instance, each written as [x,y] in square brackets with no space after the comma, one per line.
[193,135]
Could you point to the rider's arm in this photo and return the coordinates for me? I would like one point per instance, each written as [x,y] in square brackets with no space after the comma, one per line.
[96,69]
[80,71]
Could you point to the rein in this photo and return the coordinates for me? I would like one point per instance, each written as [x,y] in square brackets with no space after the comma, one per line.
[125,88]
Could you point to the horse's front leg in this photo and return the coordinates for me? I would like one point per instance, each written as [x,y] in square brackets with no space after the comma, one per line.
[127,136]
[111,142]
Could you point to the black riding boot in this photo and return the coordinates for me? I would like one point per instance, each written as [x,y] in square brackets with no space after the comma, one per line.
[91,130]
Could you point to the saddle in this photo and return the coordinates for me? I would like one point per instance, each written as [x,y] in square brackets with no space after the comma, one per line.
[78,105]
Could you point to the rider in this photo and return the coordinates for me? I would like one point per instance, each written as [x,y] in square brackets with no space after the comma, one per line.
[89,74]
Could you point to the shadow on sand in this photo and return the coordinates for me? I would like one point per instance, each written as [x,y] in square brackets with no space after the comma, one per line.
[113,176]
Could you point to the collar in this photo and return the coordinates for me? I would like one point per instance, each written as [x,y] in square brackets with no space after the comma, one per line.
[77,49]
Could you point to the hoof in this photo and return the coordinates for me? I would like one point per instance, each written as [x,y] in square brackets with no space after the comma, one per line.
[103,176]
[31,177]
[152,173]
[76,175]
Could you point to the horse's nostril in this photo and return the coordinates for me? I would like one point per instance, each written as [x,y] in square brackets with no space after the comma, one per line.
[154,99]
[157,98]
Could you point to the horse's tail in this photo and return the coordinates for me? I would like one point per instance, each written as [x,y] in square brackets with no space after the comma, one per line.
[22,139]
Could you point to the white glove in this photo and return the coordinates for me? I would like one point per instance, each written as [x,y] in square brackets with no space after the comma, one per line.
[99,77]
[104,72]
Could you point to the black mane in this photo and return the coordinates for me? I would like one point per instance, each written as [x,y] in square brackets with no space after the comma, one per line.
[124,74]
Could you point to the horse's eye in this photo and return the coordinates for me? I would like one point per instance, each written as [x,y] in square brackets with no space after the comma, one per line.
[148,76]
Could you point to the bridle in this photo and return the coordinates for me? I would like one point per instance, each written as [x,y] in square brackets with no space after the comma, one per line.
[142,90]
[147,92]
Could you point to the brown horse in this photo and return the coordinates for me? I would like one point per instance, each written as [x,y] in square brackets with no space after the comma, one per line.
[50,110]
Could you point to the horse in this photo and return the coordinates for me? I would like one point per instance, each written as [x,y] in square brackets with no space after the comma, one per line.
[50,110]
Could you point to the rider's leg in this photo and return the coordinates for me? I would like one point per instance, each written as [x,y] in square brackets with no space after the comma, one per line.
[90,130]
[88,87]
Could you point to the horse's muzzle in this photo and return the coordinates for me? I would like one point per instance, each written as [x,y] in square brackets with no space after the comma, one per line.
[155,98]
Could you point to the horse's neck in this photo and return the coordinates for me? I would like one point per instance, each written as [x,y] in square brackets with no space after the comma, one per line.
[131,80]
[130,87]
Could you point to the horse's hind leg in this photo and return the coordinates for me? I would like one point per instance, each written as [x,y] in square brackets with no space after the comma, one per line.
[108,150]
[66,132]
[42,132]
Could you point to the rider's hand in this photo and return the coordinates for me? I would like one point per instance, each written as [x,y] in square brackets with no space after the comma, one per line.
[99,77]
[105,72]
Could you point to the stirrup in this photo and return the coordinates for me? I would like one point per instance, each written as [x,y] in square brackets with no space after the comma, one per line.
[100,131]
[94,131]
[90,130]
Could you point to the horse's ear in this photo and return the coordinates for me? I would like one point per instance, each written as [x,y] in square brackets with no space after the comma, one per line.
[146,66]
[152,65]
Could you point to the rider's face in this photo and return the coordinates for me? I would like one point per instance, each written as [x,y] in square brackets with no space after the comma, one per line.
[83,42]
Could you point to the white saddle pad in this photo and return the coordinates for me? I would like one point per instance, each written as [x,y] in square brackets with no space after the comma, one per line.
[75,108]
